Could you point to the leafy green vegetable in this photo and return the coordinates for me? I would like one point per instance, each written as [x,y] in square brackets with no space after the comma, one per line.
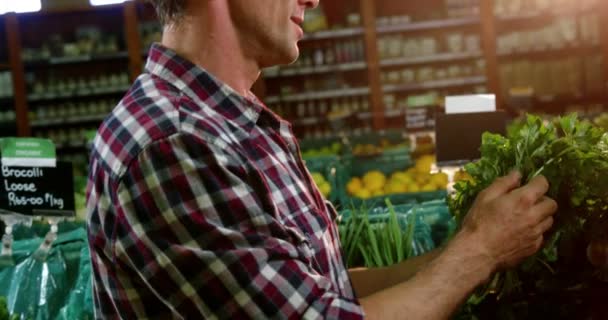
[573,156]
[377,241]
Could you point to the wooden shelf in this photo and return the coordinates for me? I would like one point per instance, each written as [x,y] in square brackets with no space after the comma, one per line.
[302,71]
[486,24]
[437,84]
[67,95]
[333,34]
[56,61]
[428,25]
[544,15]
[436,58]
[319,95]
[308,121]
[67,121]
[544,53]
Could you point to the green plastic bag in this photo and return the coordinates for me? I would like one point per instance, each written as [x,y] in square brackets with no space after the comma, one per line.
[48,283]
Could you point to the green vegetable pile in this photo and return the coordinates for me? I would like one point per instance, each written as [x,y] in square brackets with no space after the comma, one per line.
[377,241]
[573,156]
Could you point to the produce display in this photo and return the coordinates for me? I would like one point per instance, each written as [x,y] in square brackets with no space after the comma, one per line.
[368,149]
[330,150]
[573,156]
[383,237]
[323,185]
[416,179]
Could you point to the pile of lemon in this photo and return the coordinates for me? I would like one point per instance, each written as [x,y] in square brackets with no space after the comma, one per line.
[321,183]
[416,179]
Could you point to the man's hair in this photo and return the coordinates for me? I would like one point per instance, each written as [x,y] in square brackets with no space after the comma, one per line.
[169,11]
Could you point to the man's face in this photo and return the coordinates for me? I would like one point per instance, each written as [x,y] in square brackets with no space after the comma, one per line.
[270,29]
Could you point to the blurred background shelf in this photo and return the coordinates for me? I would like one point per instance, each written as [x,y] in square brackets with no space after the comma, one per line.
[428,25]
[59,61]
[436,58]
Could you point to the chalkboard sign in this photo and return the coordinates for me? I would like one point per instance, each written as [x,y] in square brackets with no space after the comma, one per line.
[458,136]
[38,191]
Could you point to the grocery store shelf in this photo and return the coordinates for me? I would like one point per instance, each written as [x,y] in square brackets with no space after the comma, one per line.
[300,71]
[333,34]
[77,59]
[308,121]
[441,57]
[78,94]
[389,113]
[539,15]
[438,84]
[8,99]
[352,92]
[546,52]
[428,25]
[69,120]
[77,146]
[562,103]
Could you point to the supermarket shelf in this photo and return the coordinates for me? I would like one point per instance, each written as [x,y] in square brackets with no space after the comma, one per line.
[438,84]
[559,104]
[81,94]
[390,113]
[8,128]
[442,57]
[540,15]
[70,120]
[308,121]
[542,53]
[6,100]
[352,92]
[76,146]
[77,59]
[428,25]
[333,34]
[300,71]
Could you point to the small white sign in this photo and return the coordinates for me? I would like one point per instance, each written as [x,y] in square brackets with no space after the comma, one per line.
[470,103]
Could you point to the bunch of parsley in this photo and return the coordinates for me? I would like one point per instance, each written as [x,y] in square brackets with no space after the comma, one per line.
[573,155]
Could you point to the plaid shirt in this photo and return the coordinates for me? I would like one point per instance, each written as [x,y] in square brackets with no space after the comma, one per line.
[199,206]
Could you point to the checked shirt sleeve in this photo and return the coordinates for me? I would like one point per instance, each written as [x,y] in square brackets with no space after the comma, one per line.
[194,232]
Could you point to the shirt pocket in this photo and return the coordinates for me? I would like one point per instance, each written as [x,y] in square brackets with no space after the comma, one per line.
[308,226]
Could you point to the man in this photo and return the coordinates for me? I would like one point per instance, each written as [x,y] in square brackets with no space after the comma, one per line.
[200,205]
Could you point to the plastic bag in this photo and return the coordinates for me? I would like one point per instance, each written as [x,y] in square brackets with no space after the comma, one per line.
[48,283]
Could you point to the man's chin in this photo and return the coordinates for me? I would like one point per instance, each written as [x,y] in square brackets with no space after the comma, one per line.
[283,58]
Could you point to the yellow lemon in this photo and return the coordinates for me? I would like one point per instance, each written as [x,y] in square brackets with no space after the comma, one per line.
[428,187]
[363,194]
[413,188]
[440,180]
[377,193]
[325,189]
[318,178]
[374,180]
[354,185]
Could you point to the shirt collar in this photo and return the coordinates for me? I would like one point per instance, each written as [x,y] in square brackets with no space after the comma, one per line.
[201,86]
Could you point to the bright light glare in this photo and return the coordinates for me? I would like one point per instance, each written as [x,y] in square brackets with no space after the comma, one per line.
[105,2]
[20,6]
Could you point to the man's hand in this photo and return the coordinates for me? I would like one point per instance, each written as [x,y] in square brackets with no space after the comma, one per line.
[508,221]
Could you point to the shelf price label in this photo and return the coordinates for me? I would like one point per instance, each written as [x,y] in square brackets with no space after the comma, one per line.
[32,152]
[38,191]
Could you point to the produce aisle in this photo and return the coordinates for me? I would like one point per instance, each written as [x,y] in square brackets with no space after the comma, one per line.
[365,99]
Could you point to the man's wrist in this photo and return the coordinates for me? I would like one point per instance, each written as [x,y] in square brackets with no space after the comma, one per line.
[470,246]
